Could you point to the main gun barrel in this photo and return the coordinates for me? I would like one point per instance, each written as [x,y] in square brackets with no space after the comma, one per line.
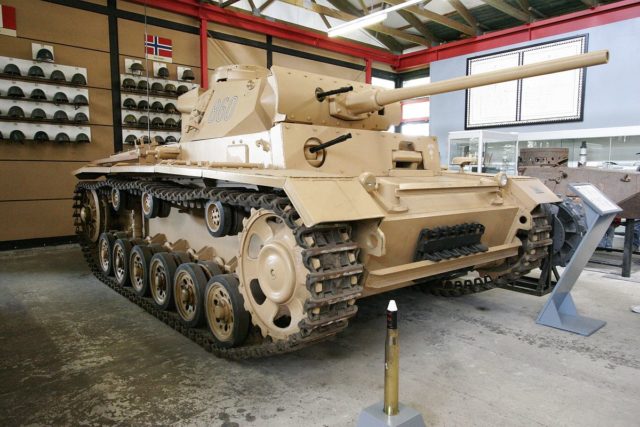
[363,102]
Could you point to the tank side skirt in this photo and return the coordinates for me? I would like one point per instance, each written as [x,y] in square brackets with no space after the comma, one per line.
[338,264]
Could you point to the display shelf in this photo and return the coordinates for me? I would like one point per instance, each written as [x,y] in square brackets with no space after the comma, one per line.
[37,101]
[44,121]
[150,92]
[39,80]
[145,111]
[162,129]
[32,141]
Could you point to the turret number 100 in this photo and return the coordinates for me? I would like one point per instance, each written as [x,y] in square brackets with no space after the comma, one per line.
[223,109]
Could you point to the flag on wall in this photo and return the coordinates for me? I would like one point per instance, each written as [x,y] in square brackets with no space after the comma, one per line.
[158,48]
[8,21]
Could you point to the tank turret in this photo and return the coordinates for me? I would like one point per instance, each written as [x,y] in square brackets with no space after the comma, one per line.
[248,99]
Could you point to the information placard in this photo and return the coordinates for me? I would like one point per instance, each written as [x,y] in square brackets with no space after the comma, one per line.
[589,193]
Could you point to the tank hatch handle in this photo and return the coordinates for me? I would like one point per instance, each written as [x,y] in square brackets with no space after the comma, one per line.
[321,94]
[338,140]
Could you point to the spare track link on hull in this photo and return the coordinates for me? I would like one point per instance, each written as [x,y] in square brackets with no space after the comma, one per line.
[338,260]
[536,240]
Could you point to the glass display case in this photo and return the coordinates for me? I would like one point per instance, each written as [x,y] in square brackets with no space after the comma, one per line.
[495,151]
[611,148]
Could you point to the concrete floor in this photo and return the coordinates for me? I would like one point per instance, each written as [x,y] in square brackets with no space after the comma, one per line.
[74,352]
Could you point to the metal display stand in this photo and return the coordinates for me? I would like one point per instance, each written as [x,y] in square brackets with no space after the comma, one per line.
[560,310]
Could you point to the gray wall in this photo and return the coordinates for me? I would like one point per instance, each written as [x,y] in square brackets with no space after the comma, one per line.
[612,92]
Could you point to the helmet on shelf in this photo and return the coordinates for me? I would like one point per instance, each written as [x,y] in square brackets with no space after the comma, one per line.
[157,106]
[12,70]
[80,100]
[188,75]
[130,139]
[35,71]
[163,72]
[130,104]
[182,89]
[81,118]
[157,122]
[38,94]
[170,108]
[170,138]
[128,84]
[159,139]
[60,116]
[58,76]
[15,112]
[82,137]
[143,121]
[170,123]
[157,87]
[41,136]
[16,136]
[44,55]
[62,137]
[143,85]
[170,88]
[15,92]
[38,114]
[60,98]
[143,105]
[79,79]
[130,120]
[136,68]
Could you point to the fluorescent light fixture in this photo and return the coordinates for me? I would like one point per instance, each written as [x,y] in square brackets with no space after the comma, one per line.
[356,24]
[367,20]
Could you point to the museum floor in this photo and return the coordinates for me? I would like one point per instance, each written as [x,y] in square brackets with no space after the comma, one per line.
[74,352]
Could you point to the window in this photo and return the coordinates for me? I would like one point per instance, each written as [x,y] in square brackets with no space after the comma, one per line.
[384,84]
[415,112]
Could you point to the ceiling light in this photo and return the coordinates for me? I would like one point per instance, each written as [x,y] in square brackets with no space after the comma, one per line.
[367,20]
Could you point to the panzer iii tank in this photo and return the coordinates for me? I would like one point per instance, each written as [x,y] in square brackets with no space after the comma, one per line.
[286,201]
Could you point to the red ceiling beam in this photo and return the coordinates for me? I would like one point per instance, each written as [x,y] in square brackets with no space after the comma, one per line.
[592,17]
[211,13]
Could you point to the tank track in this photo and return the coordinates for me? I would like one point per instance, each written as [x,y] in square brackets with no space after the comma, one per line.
[535,246]
[328,253]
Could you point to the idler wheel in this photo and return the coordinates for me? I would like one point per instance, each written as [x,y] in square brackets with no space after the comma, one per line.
[105,252]
[188,291]
[224,308]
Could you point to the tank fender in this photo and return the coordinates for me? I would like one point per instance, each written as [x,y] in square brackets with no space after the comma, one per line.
[531,192]
[331,200]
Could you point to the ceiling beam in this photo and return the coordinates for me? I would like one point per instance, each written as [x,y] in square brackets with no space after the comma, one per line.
[323,17]
[343,16]
[228,3]
[525,6]
[507,9]
[466,15]
[440,19]
[420,26]
[590,3]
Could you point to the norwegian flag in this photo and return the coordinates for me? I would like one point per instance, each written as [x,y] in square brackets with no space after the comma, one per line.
[8,21]
[158,48]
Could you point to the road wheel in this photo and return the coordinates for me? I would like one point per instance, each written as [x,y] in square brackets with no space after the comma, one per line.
[120,258]
[150,205]
[219,218]
[162,270]
[224,308]
[188,291]
[105,251]
[139,269]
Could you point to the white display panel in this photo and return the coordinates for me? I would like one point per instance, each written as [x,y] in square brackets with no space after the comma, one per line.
[543,99]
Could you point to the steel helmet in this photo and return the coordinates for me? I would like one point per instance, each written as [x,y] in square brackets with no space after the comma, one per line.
[159,139]
[60,98]
[44,55]
[157,106]
[16,112]
[40,136]
[80,100]
[163,72]
[157,87]
[58,76]
[36,71]
[129,104]
[170,108]
[62,137]
[15,92]
[143,85]
[143,121]
[157,122]
[16,136]
[130,139]
[60,116]
[79,79]
[12,70]
[145,139]
[182,89]
[38,114]
[136,68]
[37,94]
[129,84]
[188,75]
[143,105]
[170,138]
[171,123]
[82,137]
[170,88]
[130,120]
[81,118]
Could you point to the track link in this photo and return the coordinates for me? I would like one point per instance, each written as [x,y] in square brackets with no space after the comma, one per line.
[334,279]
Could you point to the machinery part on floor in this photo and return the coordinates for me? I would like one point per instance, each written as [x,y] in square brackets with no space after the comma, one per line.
[323,248]
[226,316]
